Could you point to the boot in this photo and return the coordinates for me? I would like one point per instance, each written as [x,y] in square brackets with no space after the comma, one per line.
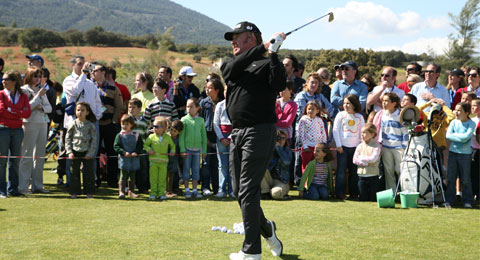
[131,188]
[121,189]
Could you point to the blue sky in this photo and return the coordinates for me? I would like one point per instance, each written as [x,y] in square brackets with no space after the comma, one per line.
[407,25]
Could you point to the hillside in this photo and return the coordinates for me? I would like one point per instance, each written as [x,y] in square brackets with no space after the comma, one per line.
[122,16]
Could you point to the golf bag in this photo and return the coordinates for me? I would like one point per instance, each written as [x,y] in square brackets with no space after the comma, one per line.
[421,168]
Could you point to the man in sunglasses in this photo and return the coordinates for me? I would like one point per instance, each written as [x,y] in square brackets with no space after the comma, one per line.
[183,89]
[430,88]
[348,85]
[473,80]
[412,68]
[387,79]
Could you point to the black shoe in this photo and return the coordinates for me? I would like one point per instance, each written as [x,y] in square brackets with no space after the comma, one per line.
[16,194]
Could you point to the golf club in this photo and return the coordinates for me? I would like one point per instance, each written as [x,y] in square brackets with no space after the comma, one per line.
[330,18]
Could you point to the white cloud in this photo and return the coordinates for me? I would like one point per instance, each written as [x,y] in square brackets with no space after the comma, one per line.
[419,46]
[373,21]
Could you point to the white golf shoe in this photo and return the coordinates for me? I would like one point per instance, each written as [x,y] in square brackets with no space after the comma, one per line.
[242,256]
[275,245]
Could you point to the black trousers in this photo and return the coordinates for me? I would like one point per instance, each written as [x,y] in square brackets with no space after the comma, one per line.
[251,150]
[107,137]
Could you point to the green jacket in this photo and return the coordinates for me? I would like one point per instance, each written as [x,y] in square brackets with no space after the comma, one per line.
[159,147]
[194,134]
[308,176]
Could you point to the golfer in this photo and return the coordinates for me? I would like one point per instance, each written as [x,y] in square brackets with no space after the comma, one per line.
[254,81]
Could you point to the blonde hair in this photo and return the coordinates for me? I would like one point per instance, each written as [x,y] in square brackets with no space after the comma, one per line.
[162,121]
[371,128]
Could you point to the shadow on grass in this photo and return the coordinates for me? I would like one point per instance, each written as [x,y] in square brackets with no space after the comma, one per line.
[290,257]
[3,210]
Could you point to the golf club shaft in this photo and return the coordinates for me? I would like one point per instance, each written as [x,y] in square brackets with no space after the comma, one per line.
[294,30]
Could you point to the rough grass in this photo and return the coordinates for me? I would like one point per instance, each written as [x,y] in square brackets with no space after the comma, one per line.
[55,227]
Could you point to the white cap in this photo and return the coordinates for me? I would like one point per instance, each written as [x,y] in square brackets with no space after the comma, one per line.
[187,70]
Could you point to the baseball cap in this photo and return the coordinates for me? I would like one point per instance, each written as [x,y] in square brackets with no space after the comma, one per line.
[336,67]
[35,57]
[242,27]
[349,63]
[187,70]
[458,72]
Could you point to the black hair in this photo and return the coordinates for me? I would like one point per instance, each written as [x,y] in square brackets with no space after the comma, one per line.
[90,117]
[217,85]
[413,98]
[161,84]
[353,99]
[294,61]
[136,102]
[168,69]
[418,67]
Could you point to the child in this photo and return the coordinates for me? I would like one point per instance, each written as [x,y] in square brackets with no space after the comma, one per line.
[141,176]
[81,142]
[460,132]
[160,106]
[157,145]
[411,100]
[311,131]
[128,144]
[318,175]
[275,181]
[286,110]
[367,157]
[193,141]
[468,97]
[393,136]
[440,121]
[173,166]
[347,134]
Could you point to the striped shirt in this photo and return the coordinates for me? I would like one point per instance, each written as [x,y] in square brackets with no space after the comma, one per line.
[142,127]
[320,176]
[163,108]
[393,134]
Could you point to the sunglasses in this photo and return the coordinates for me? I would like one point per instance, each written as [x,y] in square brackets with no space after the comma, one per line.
[410,69]
[429,71]
[473,75]
[345,68]
[385,75]
[158,126]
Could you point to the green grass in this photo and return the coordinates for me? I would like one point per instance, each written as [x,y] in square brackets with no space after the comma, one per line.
[55,227]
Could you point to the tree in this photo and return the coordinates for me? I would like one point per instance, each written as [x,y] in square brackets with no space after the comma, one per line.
[37,38]
[462,45]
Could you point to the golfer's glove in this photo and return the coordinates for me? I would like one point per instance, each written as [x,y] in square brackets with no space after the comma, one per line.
[274,47]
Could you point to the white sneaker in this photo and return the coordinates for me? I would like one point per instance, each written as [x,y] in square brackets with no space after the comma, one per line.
[220,194]
[207,192]
[275,245]
[242,256]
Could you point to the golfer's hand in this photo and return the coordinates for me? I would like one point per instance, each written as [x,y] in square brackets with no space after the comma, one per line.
[279,38]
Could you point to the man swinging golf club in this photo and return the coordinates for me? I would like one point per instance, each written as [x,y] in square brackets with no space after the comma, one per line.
[253,83]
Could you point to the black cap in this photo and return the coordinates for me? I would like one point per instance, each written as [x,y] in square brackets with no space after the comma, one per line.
[458,72]
[336,67]
[242,27]
[349,63]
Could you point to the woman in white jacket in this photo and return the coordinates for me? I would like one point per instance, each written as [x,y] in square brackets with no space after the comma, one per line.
[35,128]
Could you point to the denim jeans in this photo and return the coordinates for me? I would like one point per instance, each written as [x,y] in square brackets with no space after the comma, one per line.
[191,162]
[209,172]
[368,187]
[11,141]
[224,179]
[459,165]
[316,192]
[344,162]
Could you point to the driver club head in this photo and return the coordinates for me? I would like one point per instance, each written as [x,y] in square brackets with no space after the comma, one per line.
[330,17]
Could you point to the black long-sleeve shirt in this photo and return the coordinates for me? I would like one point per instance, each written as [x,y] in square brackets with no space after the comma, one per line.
[253,85]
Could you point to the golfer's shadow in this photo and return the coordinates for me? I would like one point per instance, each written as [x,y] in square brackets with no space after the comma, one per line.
[290,257]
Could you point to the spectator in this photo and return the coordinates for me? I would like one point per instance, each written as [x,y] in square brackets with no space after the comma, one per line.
[310,92]
[141,177]
[456,80]
[325,89]
[473,85]
[183,89]
[412,68]
[290,63]
[318,175]
[430,88]
[173,166]
[209,172]
[160,106]
[111,77]
[387,84]
[35,129]
[143,87]
[475,143]
[368,80]
[14,106]
[35,60]
[47,84]
[338,71]
[2,65]
[223,131]
[112,105]
[165,73]
[286,110]
[348,85]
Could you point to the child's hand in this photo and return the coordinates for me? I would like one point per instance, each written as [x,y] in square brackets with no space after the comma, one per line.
[300,194]
[183,155]
[340,150]
[127,154]
[204,156]
[171,154]
[134,154]
[71,156]
[225,141]
[151,152]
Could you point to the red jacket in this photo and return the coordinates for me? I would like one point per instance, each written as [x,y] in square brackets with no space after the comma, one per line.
[18,111]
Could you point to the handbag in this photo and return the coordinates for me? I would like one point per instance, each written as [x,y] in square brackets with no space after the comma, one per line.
[70,107]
